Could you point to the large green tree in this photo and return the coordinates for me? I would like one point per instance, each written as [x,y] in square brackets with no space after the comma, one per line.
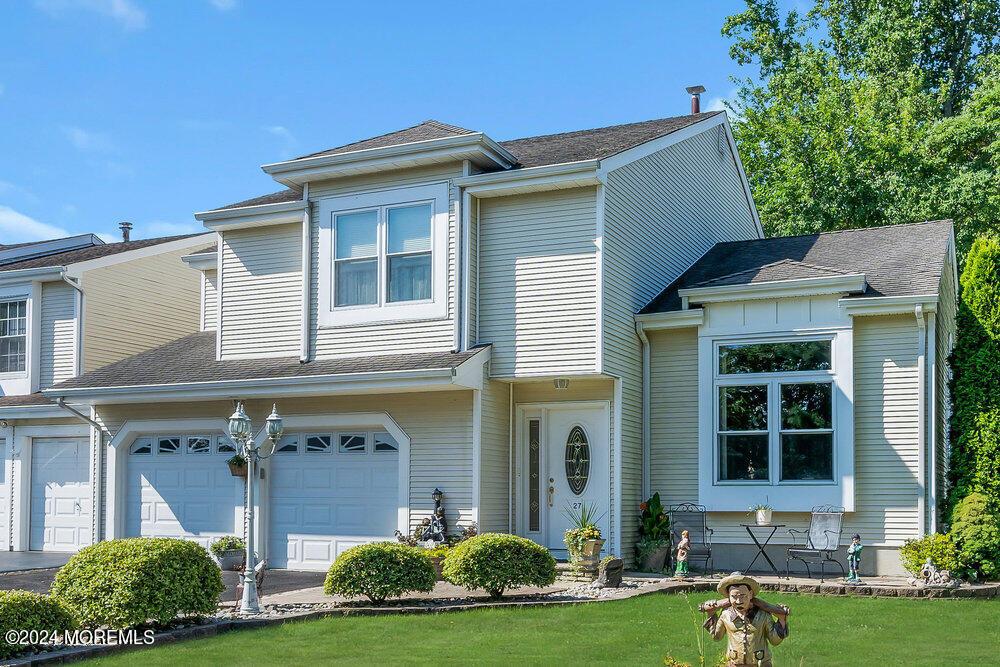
[863,112]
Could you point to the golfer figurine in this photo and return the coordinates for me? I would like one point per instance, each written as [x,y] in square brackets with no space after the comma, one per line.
[683,548]
[854,560]
[746,620]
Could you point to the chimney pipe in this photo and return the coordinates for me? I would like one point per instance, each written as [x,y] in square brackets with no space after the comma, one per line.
[695,92]
[126,227]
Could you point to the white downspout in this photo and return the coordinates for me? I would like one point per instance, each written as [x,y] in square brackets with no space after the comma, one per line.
[511,483]
[646,429]
[78,357]
[306,276]
[932,416]
[921,419]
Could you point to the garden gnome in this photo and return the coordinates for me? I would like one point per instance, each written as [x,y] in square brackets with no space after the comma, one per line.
[854,559]
[683,548]
[746,621]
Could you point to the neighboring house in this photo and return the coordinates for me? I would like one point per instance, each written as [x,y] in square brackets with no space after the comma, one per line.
[119,299]
[431,308]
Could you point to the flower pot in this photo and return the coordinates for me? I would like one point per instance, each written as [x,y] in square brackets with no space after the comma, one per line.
[763,517]
[238,470]
[656,561]
[592,549]
[232,560]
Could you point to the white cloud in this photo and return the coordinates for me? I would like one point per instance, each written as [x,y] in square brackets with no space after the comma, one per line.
[125,12]
[84,140]
[161,228]
[285,135]
[16,227]
[224,5]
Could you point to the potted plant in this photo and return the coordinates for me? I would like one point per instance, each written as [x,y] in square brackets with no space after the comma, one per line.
[762,512]
[230,552]
[583,540]
[437,556]
[653,547]
[237,466]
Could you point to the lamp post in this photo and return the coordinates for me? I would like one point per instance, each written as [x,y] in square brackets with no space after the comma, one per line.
[241,431]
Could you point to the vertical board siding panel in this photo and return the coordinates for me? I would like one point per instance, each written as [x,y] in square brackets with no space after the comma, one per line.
[58,337]
[261,292]
[211,304]
[139,304]
[662,213]
[494,459]
[673,451]
[538,281]
[394,337]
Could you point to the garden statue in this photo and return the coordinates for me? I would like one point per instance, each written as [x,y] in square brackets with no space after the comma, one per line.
[683,548]
[609,573]
[746,620]
[854,560]
[437,527]
[932,577]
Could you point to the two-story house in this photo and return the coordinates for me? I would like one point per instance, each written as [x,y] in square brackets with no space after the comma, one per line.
[431,308]
[68,306]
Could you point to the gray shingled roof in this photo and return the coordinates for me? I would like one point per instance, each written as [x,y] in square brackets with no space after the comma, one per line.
[546,149]
[28,400]
[90,252]
[900,260]
[192,359]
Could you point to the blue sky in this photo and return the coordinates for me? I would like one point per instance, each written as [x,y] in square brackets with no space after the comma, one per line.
[148,110]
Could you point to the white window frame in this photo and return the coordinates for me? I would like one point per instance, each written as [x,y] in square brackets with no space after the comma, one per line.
[331,315]
[789,495]
[27,294]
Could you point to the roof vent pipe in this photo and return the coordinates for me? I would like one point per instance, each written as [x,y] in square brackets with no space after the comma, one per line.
[695,92]
[126,227]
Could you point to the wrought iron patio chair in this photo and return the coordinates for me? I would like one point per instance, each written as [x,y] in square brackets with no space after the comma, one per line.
[820,542]
[694,519]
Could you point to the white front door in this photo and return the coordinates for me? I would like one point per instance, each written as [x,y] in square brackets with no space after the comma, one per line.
[60,494]
[4,497]
[566,464]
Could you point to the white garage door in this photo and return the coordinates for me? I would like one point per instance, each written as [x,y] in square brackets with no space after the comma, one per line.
[180,486]
[4,497]
[329,492]
[60,494]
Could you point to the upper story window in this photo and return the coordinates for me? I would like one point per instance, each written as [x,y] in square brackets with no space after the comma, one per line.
[383,256]
[13,336]
[775,413]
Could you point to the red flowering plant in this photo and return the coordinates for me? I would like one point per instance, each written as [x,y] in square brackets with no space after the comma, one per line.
[654,532]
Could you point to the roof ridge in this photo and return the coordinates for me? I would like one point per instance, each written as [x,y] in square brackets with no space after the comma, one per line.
[768,265]
[844,231]
[705,114]
[438,123]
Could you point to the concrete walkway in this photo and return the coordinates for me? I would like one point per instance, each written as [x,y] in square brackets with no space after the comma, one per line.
[22,561]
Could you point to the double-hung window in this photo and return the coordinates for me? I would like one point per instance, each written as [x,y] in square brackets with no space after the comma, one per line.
[383,256]
[13,336]
[775,412]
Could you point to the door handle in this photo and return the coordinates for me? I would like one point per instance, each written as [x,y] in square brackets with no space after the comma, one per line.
[552,491]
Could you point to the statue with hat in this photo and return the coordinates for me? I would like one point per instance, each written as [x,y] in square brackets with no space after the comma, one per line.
[749,623]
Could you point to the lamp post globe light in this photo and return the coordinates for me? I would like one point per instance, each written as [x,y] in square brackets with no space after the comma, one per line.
[241,431]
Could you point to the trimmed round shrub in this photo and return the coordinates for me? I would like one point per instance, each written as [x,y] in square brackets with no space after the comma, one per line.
[496,562]
[975,530]
[938,547]
[23,610]
[380,570]
[121,583]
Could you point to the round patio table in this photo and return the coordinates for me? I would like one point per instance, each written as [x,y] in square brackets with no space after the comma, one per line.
[760,547]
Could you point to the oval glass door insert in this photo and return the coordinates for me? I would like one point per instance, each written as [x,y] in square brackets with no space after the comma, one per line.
[577,460]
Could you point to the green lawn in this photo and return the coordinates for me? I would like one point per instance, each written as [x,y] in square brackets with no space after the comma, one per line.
[640,631]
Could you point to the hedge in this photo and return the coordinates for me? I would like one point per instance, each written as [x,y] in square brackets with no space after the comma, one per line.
[23,610]
[380,570]
[975,529]
[496,562]
[121,583]
[938,547]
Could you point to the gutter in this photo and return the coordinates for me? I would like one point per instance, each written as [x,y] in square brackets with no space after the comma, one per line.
[306,276]
[78,358]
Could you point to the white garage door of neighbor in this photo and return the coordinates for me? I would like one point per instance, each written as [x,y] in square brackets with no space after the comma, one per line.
[60,494]
[4,498]
[330,492]
[180,486]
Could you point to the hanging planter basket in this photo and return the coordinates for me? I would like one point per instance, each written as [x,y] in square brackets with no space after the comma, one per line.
[237,467]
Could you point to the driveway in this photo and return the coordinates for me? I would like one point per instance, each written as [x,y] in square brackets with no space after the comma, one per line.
[19,561]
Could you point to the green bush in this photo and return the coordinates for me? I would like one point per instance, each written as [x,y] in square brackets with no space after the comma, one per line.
[975,530]
[938,547]
[227,543]
[22,610]
[380,570]
[121,583]
[495,562]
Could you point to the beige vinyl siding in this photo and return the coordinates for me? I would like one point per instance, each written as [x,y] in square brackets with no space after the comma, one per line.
[139,304]
[947,307]
[57,360]
[384,338]
[439,425]
[261,292]
[210,302]
[662,212]
[673,377]
[538,281]
[494,456]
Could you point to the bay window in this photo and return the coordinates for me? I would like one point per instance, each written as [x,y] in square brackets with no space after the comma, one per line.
[13,336]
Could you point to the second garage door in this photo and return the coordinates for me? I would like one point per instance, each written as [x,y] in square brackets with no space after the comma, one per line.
[180,486]
[329,492]
[60,494]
